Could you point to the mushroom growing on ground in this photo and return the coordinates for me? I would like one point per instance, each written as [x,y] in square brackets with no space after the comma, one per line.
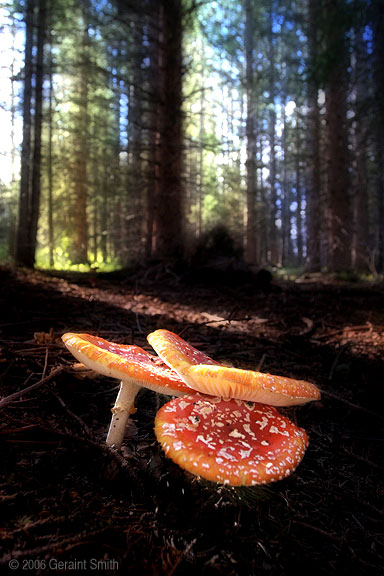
[133,366]
[230,441]
[205,375]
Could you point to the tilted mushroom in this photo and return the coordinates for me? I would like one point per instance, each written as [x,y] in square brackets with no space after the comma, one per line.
[229,441]
[205,375]
[133,366]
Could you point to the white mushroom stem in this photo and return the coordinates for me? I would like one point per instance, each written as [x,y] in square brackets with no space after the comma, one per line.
[120,412]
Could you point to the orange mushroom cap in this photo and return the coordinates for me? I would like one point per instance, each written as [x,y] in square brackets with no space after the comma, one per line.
[229,441]
[205,375]
[127,363]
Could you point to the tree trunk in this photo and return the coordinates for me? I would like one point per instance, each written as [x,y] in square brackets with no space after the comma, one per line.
[251,236]
[299,196]
[360,241]
[378,28]
[169,206]
[199,227]
[286,233]
[314,180]
[339,250]
[80,247]
[118,250]
[13,109]
[22,247]
[38,125]
[50,163]
[273,240]
[135,181]
[153,188]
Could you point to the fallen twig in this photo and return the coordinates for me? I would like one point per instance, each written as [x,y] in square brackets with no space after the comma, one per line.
[72,414]
[5,401]
[45,363]
[351,404]
[182,555]
[330,535]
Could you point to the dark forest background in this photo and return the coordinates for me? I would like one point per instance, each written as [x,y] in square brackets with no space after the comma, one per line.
[178,130]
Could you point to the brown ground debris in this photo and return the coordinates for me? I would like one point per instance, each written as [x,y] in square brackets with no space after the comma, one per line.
[64,497]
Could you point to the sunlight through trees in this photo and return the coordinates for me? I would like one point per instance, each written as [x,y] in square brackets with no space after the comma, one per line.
[130,130]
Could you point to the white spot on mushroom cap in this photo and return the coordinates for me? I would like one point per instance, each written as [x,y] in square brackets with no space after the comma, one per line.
[225,453]
[274,430]
[170,408]
[236,434]
[207,441]
[262,423]
[183,405]
[248,430]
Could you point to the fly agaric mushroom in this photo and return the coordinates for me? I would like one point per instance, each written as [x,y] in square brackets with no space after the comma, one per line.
[205,375]
[133,366]
[229,441]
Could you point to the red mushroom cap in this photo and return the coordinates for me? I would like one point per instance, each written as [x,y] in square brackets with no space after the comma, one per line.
[205,375]
[127,363]
[229,441]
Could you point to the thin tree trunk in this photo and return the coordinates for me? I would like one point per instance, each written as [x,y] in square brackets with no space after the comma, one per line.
[299,197]
[22,248]
[251,236]
[153,189]
[104,211]
[285,224]
[169,206]
[337,161]
[199,227]
[314,180]
[80,252]
[98,203]
[273,240]
[360,241]
[378,27]
[263,211]
[117,216]
[50,163]
[13,102]
[136,183]
[36,160]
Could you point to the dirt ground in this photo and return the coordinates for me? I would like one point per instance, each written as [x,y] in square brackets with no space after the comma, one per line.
[69,505]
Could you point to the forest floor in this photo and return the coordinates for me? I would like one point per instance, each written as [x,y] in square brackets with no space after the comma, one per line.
[67,503]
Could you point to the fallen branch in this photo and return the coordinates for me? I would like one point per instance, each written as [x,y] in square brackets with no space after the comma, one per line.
[8,399]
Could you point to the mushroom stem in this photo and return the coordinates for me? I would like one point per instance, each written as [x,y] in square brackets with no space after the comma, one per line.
[120,412]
